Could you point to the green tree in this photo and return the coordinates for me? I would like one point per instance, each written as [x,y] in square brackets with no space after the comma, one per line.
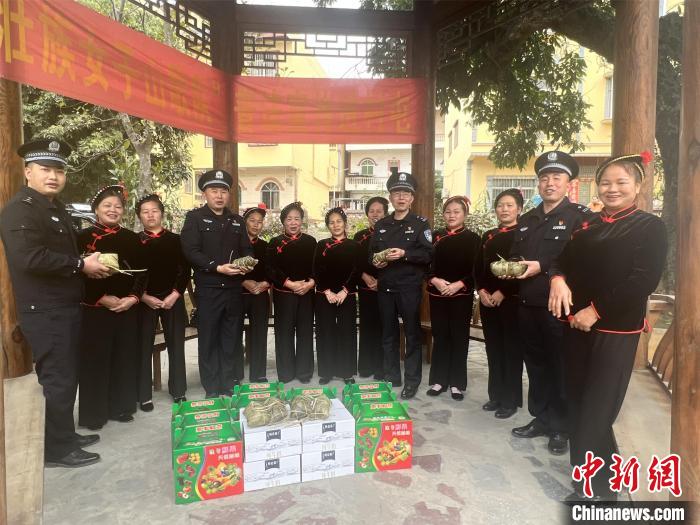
[520,81]
[110,146]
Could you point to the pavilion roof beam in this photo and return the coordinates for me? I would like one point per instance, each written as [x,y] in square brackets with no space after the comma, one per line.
[266,19]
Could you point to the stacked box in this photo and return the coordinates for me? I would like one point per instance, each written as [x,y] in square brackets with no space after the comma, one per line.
[383,436]
[202,412]
[207,461]
[328,445]
[336,432]
[272,472]
[377,396]
[330,392]
[249,388]
[243,399]
[374,386]
[327,464]
[272,452]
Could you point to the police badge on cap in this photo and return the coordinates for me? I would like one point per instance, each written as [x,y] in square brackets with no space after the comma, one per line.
[551,161]
[47,152]
[400,180]
[214,178]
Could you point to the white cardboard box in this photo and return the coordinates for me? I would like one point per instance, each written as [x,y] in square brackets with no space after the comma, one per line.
[336,432]
[271,442]
[327,464]
[271,473]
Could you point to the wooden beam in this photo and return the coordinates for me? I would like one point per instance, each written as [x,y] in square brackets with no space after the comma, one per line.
[264,18]
[226,55]
[685,413]
[634,98]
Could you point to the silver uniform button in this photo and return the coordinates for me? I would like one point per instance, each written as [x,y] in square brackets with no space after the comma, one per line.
[32,307]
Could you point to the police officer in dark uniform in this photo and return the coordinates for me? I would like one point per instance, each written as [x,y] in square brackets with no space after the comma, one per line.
[541,235]
[408,238]
[46,267]
[212,237]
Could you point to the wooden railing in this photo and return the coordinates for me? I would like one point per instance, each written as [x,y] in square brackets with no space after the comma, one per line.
[659,358]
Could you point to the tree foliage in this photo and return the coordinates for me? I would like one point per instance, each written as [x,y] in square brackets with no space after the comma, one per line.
[105,141]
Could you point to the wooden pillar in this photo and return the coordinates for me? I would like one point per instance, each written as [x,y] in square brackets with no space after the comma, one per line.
[15,353]
[422,64]
[634,104]
[15,359]
[226,55]
[634,82]
[685,412]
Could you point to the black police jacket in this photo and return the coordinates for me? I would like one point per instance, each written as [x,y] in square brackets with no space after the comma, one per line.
[414,236]
[41,251]
[614,263]
[542,237]
[209,240]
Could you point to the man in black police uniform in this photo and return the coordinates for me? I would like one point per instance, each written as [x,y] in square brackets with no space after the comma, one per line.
[212,237]
[540,238]
[400,280]
[46,267]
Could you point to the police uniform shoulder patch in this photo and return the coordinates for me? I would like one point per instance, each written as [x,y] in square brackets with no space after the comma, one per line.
[428,235]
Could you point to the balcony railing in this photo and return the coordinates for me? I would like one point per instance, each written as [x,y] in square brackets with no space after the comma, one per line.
[365,183]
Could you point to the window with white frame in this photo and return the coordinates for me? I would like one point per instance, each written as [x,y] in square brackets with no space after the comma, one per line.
[367,167]
[496,184]
[270,195]
[468,185]
[475,133]
[264,65]
[455,135]
[449,144]
[608,107]
[208,142]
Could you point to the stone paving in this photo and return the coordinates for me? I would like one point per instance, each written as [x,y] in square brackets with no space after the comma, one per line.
[467,469]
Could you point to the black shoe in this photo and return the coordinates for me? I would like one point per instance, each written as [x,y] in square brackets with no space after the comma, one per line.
[558,443]
[324,381]
[505,413]
[490,406]
[77,458]
[349,381]
[394,384]
[147,406]
[260,380]
[124,418]
[213,395]
[94,428]
[179,399]
[364,375]
[306,381]
[434,393]
[533,429]
[409,391]
[87,440]
[379,377]
[457,396]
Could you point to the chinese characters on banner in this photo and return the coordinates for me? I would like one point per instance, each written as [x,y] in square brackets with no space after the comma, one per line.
[662,474]
[69,49]
[329,111]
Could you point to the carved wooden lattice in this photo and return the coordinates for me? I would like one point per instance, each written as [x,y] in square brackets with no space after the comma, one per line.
[191,28]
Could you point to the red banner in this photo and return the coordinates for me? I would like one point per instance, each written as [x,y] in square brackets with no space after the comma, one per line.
[312,110]
[71,50]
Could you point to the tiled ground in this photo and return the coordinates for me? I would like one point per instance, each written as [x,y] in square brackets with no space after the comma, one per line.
[467,469]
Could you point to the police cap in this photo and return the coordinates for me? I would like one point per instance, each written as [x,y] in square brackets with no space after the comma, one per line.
[556,161]
[47,152]
[214,179]
[401,180]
